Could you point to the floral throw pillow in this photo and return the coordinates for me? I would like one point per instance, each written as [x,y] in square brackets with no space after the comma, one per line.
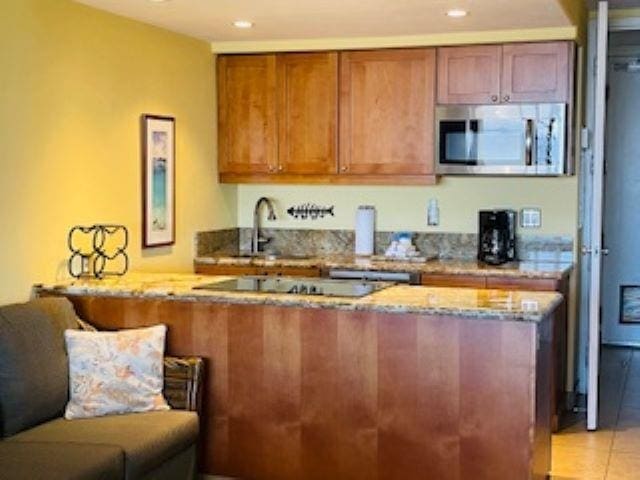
[115,372]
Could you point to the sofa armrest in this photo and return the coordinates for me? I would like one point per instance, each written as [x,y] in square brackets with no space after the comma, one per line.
[183,382]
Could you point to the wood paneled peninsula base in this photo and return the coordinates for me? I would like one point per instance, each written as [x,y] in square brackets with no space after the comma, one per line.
[410,382]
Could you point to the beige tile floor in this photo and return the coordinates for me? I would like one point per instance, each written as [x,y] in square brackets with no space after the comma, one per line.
[612,452]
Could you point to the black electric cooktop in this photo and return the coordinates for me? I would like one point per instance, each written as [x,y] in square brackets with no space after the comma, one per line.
[297,286]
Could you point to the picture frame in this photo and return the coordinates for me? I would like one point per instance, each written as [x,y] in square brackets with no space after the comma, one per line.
[629,304]
[158,181]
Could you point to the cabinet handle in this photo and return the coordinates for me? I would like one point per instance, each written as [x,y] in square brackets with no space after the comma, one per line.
[528,142]
[279,168]
[271,168]
[506,98]
[344,168]
[494,98]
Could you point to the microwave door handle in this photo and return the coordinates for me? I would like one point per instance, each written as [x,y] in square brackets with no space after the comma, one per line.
[467,140]
[471,142]
[548,153]
[528,142]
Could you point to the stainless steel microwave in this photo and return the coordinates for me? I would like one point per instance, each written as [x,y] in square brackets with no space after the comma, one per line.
[525,139]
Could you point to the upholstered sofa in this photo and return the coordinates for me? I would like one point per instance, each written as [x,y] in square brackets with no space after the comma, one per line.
[38,443]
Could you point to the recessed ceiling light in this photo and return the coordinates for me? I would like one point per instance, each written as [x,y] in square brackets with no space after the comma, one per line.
[158,1]
[243,24]
[457,13]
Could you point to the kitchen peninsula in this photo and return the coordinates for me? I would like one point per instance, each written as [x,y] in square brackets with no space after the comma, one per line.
[407,382]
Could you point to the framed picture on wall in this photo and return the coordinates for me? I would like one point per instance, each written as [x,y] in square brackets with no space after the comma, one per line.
[630,304]
[158,181]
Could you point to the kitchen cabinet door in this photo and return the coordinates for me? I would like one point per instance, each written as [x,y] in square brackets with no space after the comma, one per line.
[387,111]
[536,72]
[528,284]
[469,75]
[308,112]
[247,136]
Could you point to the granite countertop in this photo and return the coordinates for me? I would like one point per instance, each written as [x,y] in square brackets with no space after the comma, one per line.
[469,302]
[526,269]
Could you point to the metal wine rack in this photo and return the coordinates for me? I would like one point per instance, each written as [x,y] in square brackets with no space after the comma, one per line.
[99,257]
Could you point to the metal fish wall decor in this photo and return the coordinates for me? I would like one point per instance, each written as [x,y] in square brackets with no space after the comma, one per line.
[311,211]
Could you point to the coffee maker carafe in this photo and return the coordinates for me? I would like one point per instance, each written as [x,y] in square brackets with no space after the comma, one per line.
[496,236]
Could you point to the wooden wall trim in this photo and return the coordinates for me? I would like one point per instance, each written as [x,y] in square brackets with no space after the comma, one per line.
[343,179]
[402,41]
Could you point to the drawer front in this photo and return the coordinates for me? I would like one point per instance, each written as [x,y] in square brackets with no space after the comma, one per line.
[226,269]
[531,284]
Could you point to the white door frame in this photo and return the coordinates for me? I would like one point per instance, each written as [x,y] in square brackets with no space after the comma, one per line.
[590,217]
[597,180]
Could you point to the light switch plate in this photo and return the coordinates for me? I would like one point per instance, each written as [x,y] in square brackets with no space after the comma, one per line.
[433,213]
[531,218]
[584,138]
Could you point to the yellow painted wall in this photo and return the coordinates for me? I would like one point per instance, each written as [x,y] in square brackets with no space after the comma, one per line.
[576,11]
[73,83]
[404,207]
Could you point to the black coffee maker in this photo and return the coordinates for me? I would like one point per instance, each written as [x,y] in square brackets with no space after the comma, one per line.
[496,236]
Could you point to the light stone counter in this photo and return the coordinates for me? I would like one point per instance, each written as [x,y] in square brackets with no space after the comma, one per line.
[528,269]
[467,302]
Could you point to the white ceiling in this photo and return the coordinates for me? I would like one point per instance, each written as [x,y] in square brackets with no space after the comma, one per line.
[306,19]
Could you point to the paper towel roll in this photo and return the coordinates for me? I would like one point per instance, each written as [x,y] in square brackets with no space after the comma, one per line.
[365,229]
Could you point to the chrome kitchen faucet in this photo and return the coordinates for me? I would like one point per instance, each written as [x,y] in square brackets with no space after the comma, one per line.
[257,241]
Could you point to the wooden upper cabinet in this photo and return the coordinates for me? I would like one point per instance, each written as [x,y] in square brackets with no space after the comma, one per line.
[247,124]
[298,118]
[307,112]
[386,112]
[469,75]
[536,72]
[511,73]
